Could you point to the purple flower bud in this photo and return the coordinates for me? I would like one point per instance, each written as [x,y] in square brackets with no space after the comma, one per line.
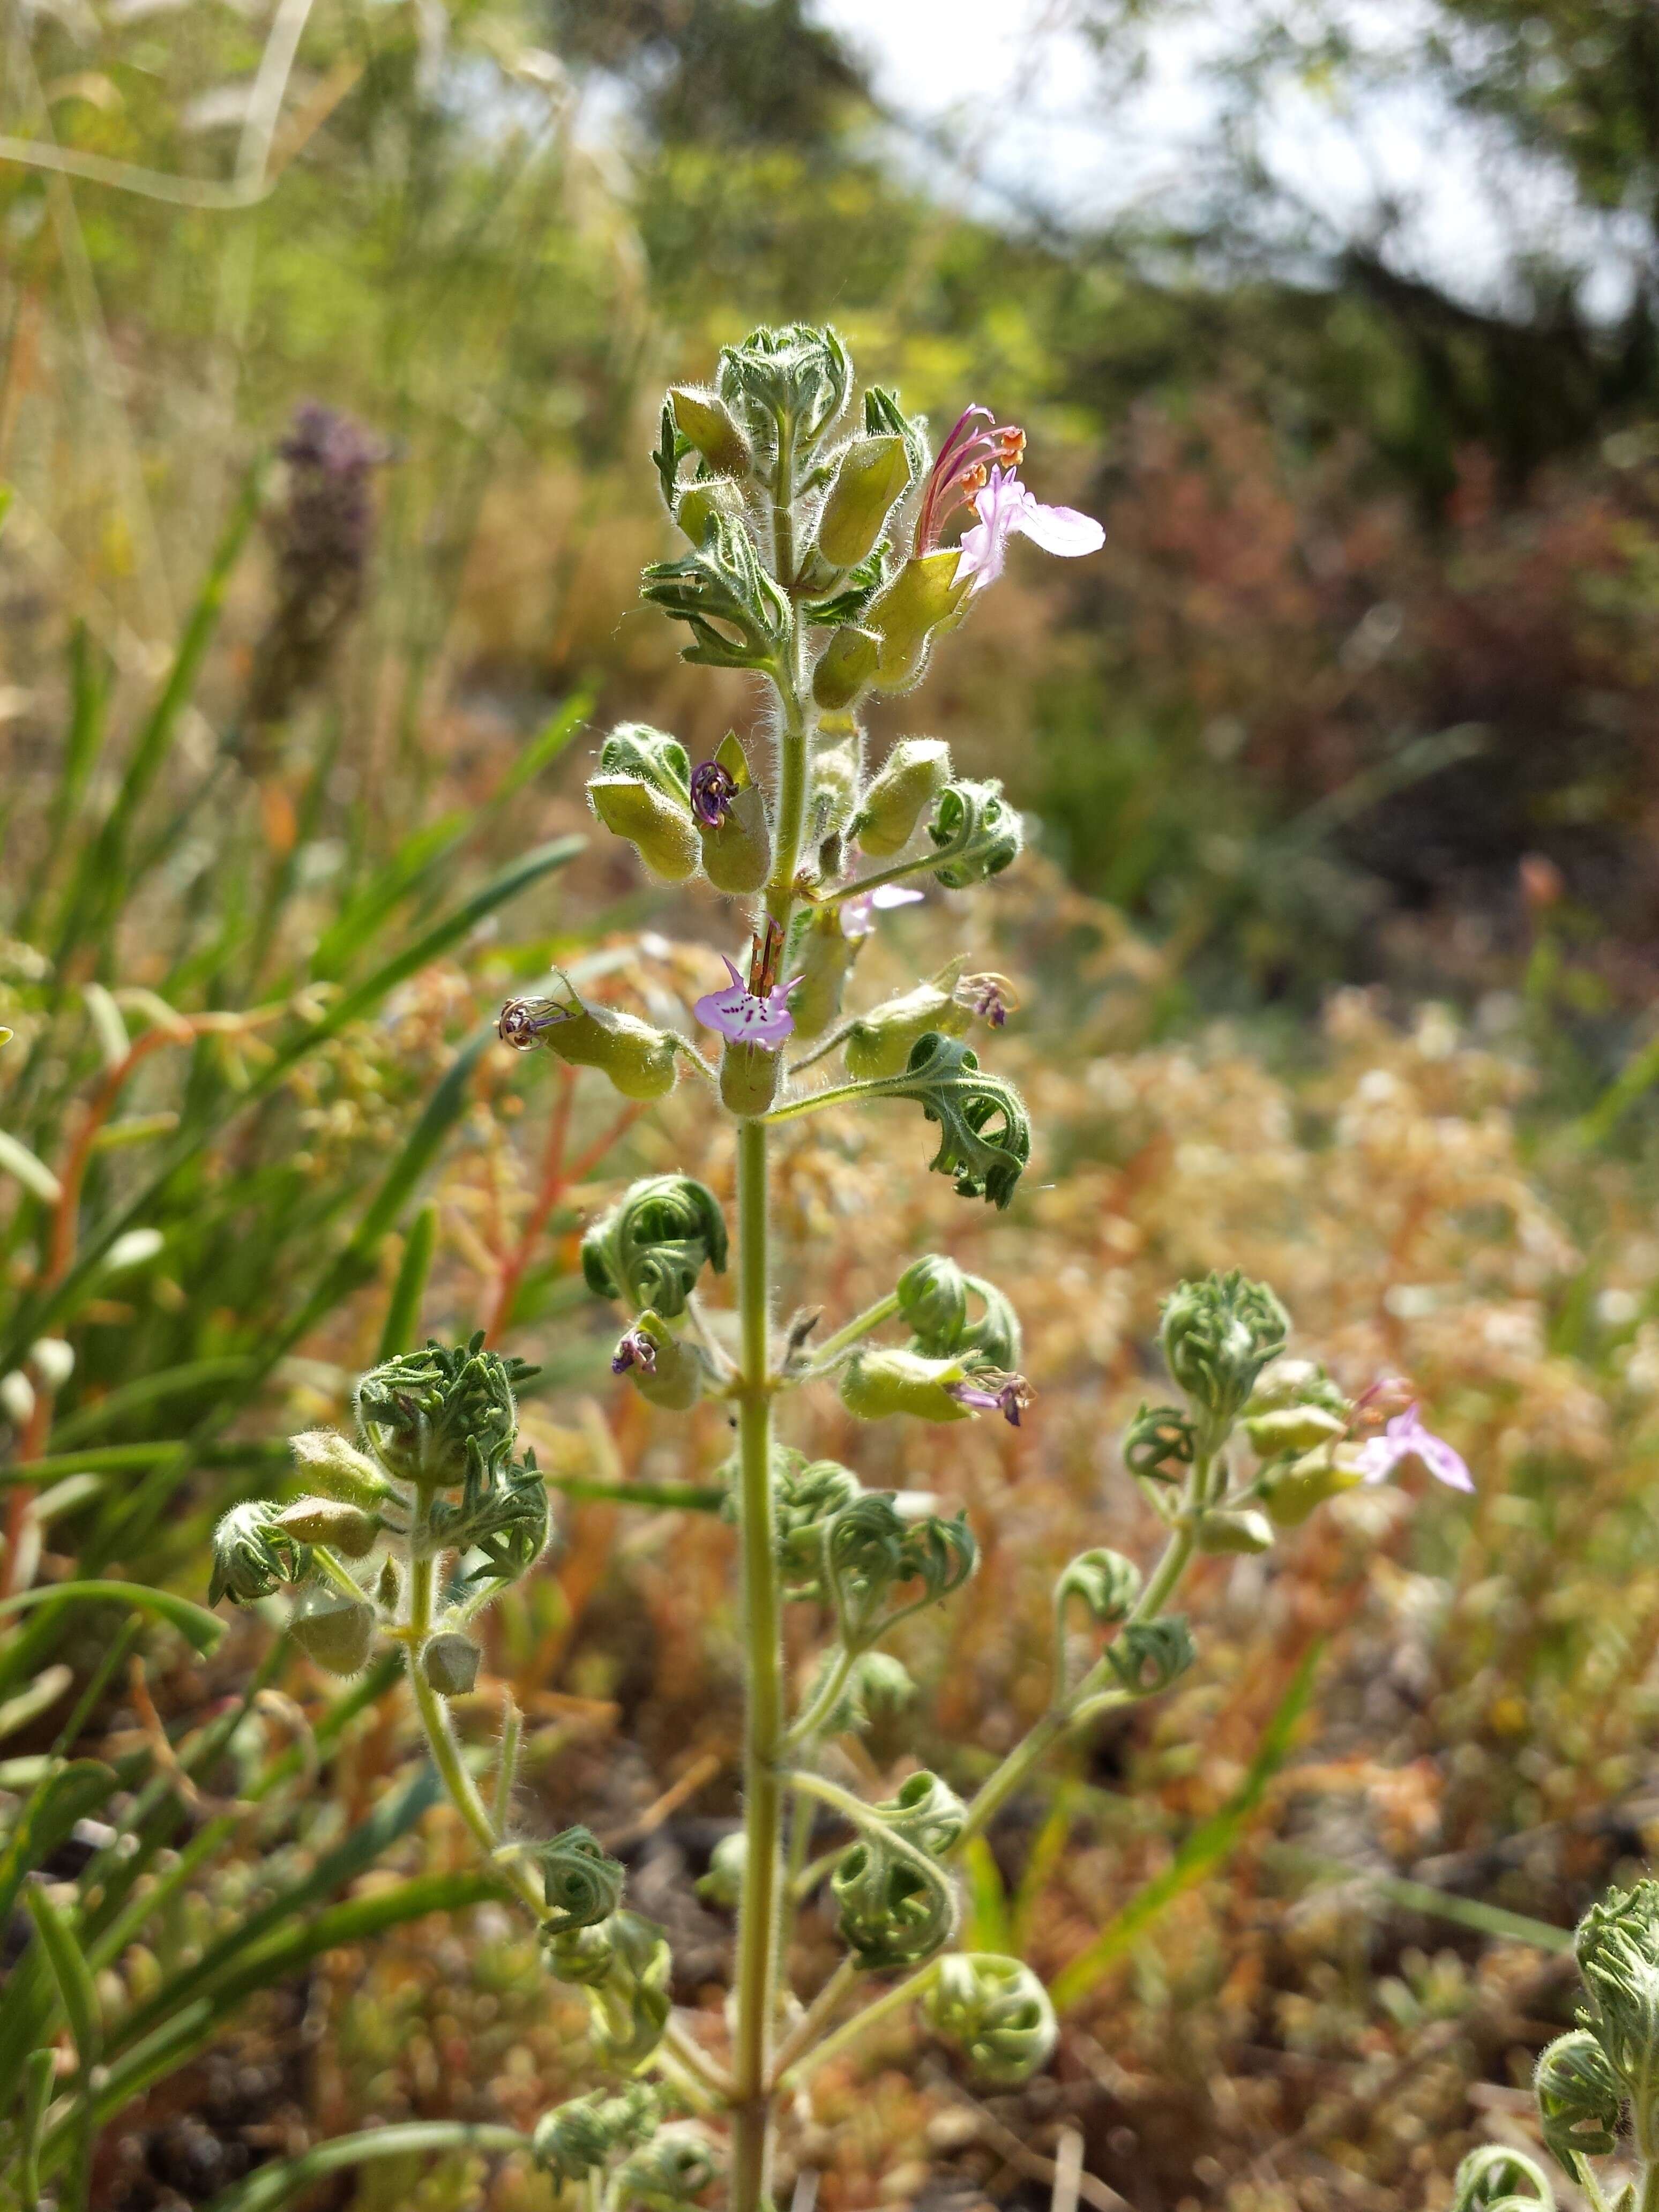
[635,1350]
[713,791]
[991,1393]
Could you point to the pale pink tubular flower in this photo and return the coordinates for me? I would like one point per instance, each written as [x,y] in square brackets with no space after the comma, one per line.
[857,915]
[745,1017]
[1005,507]
[1404,1438]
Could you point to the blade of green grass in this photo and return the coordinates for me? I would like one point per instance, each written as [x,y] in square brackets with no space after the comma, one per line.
[148,1391]
[402,1314]
[274,2185]
[202,1628]
[76,1989]
[1208,1845]
[34,1319]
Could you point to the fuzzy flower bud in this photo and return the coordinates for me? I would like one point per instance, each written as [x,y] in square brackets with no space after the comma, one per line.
[996,2011]
[1218,1336]
[324,1457]
[722,1886]
[737,842]
[640,1061]
[335,1630]
[663,1369]
[450,1663]
[907,784]
[642,791]
[344,1527]
[846,668]
[703,416]
[924,599]
[871,474]
[1222,1531]
[881,1041]
[1290,1430]
[879,1383]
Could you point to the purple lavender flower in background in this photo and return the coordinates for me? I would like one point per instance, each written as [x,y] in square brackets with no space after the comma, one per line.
[1008,1394]
[746,1017]
[635,1349]
[1404,1438]
[857,915]
[712,790]
[1004,509]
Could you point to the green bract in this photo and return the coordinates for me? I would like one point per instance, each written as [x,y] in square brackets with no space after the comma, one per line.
[977,832]
[997,2011]
[1218,1336]
[650,1247]
[985,1140]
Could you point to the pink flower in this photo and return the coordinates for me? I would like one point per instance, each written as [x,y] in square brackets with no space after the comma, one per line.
[745,1017]
[1006,507]
[857,915]
[977,440]
[635,1350]
[1405,1438]
[991,1393]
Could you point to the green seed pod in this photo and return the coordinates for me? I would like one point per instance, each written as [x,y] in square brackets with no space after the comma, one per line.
[324,1457]
[822,957]
[876,1383]
[704,417]
[922,600]
[449,1662]
[1580,2097]
[1105,1581]
[650,1247]
[846,668]
[736,853]
[906,785]
[335,1630]
[722,1886]
[344,1528]
[1290,1430]
[1291,1492]
[873,475]
[881,1041]
[640,1061]
[663,834]
[580,1880]
[1222,1531]
[750,1077]
[680,1374]
[996,2011]
[1218,1336]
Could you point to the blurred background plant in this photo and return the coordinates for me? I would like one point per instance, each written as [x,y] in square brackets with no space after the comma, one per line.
[327,340]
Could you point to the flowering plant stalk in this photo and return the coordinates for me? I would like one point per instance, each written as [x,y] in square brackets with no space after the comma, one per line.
[818,560]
